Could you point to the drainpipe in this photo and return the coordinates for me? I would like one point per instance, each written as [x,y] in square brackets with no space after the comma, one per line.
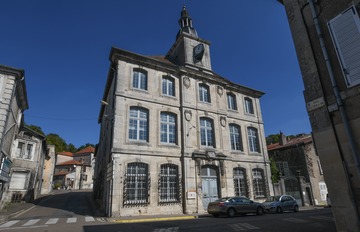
[340,104]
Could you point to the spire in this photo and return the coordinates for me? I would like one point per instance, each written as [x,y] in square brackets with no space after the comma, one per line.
[185,23]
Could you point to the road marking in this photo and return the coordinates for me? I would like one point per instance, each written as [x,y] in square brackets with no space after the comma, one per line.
[9,223]
[71,220]
[248,226]
[52,221]
[297,220]
[31,222]
[170,229]
[236,227]
[89,219]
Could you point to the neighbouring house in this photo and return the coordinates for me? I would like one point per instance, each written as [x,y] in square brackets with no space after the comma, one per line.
[74,170]
[13,101]
[175,135]
[326,37]
[29,151]
[300,169]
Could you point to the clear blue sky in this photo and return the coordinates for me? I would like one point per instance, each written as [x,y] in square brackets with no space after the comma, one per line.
[64,46]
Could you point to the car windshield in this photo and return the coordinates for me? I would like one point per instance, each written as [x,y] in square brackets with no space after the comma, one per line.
[272,198]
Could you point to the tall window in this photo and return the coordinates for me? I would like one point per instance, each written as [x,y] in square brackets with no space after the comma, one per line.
[139,79]
[253,139]
[258,182]
[169,183]
[28,151]
[231,98]
[19,150]
[136,183]
[168,86]
[249,108]
[240,183]
[206,132]
[235,137]
[204,93]
[138,124]
[168,128]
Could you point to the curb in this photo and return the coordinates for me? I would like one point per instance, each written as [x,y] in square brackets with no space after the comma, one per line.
[154,219]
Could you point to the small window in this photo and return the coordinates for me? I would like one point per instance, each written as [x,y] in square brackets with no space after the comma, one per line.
[204,93]
[207,132]
[231,98]
[168,86]
[138,124]
[249,108]
[139,79]
[168,128]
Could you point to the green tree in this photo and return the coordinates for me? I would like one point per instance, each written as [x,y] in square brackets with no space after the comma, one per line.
[36,129]
[275,173]
[57,141]
[71,147]
[271,139]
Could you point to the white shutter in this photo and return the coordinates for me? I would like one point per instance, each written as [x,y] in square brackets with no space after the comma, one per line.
[18,180]
[345,32]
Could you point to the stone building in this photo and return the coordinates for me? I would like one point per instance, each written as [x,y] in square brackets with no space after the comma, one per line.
[13,101]
[175,135]
[48,174]
[327,41]
[300,169]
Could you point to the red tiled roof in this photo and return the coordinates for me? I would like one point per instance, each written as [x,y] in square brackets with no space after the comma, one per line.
[300,140]
[61,173]
[69,162]
[88,149]
[66,153]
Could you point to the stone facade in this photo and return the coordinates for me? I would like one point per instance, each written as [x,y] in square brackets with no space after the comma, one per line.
[327,40]
[175,135]
[49,166]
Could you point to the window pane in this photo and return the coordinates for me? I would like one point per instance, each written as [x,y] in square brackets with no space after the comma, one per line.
[204,93]
[249,106]
[139,80]
[168,86]
[253,140]
[168,128]
[235,137]
[258,182]
[240,185]
[231,101]
[169,183]
[138,124]
[136,190]
[206,132]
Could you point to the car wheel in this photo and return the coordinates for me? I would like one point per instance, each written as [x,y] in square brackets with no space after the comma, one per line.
[279,209]
[231,212]
[259,211]
[296,208]
[215,215]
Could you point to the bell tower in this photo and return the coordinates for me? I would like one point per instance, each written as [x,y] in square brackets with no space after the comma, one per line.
[188,49]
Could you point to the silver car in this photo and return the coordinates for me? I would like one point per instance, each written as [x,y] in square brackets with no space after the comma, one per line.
[231,206]
[279,204]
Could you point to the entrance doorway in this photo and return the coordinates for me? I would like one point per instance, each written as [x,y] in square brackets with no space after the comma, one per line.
[209,175]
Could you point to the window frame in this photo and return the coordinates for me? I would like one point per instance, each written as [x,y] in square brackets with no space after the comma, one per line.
[169,183]
[136,186]
[253,140]
[169,83]
[171,128]
[235,138]
[141,124]
[259,183]
[240,182]
[140,82]
[207,132]
[231,100]
[204,93]
[249,105]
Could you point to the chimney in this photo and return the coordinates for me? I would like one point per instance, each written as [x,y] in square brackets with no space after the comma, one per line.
[282,139]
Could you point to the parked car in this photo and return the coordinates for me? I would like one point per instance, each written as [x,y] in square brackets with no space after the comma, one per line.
[231,206]
[279,204]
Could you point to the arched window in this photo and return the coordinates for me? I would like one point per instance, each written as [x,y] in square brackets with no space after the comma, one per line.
[249,108]
[169,183]
[240,182]
[204,93]
[168,86]
[139,79]
[207,132]
[235,137]
[253,139]
[168,130]
[258,182]
[231,99]
[138,124]
[136,183]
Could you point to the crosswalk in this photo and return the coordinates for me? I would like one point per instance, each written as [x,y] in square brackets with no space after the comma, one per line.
[47,222]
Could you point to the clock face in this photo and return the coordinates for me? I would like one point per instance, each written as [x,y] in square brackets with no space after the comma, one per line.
[199,51]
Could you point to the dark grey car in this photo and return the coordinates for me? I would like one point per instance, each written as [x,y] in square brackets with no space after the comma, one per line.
[234,205]
[281,203]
